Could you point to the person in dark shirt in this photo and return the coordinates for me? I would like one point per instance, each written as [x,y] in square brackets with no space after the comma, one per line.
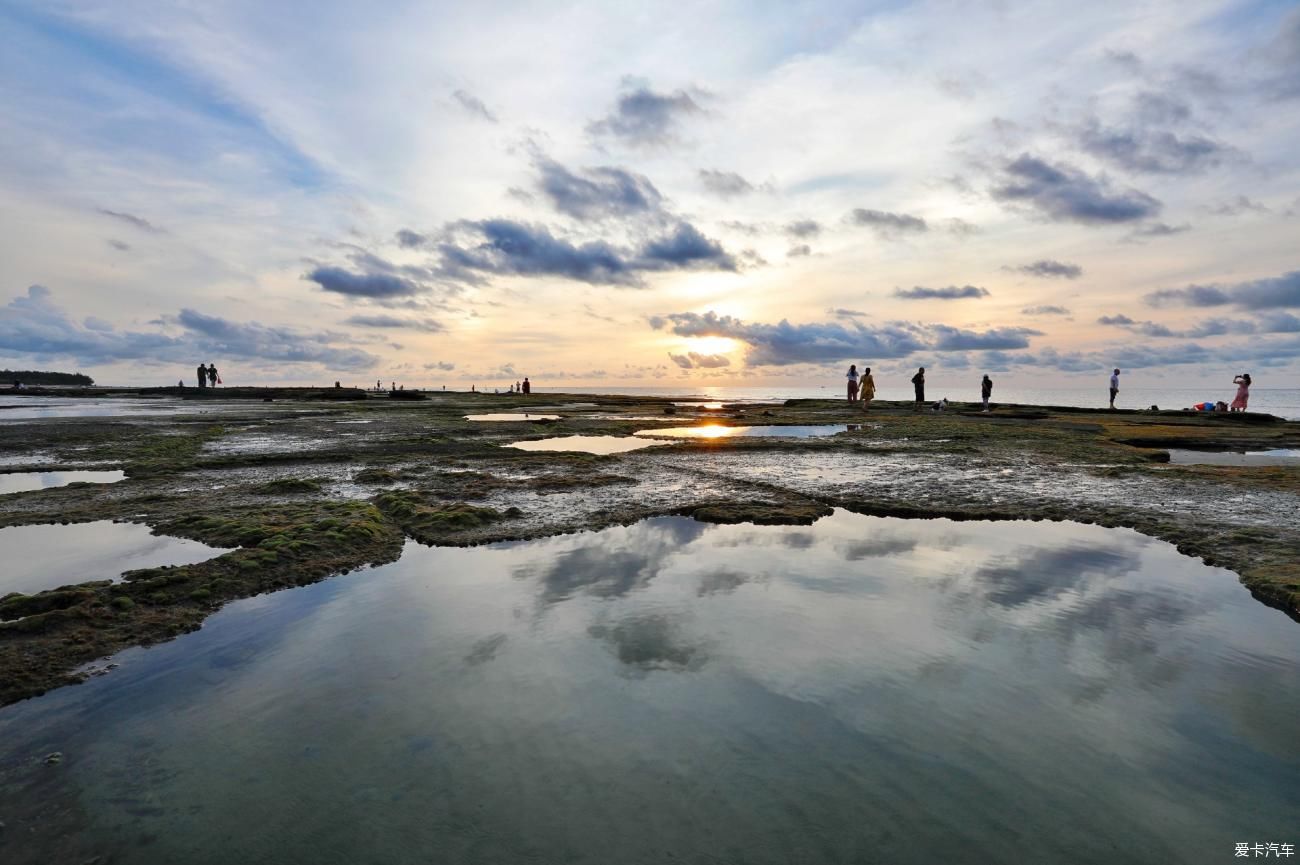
[212,375]
[986,390]
[528,386]
[918,384]
[202,372]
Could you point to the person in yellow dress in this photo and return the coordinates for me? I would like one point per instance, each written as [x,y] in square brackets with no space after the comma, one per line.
[866,388]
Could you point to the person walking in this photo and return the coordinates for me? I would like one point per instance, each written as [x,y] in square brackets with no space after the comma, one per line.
[1114,387]
[852,376]
[867,388]
[202,373]
[1243,392]
[213,378]
[986,390]
[918,384]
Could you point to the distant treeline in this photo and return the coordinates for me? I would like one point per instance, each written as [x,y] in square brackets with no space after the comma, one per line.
[31,376]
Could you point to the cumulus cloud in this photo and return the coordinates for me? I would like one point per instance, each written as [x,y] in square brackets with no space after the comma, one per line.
[504,247]
[33,324]
[363,285]
[695,360]
[784,343]
[1121,320]
[473,105]
[1046,267]
[1063,193]
[1152,151]
[725,184]
[598,192]
[408,239]
[886,225]
[1045,310]
[799,251]
[948,292]
[803,228]
[443,365]
[428,325]
[1272,293]
[644,117]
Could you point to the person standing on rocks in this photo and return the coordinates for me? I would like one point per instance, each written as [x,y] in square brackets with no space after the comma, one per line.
[213,378]
[918,384]
[528,386]
[852,376]
[986,390]
[202,373]
[867,388]
[1114,387]
[1243,392]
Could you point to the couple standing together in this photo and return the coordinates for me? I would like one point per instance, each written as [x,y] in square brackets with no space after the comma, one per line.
[863,388]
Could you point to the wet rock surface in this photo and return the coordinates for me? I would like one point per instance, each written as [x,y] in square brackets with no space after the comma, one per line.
[309,486]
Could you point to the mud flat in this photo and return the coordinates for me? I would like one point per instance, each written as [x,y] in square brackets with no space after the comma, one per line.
[319,482]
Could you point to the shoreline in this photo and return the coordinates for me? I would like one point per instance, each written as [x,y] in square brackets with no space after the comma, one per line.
[323,481]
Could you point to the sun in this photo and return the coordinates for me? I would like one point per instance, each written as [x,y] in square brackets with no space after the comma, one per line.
[711,344]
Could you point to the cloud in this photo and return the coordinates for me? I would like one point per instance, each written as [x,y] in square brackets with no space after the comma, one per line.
[408,239]
[364,285]
[428,325]
[644,117]
[440,365]
[1271,293]
[960,227]
[725,184]
[1063,193]
[1120,320]
[1152,151]
[849,313]
[784,343]
[695,360]
[119,245]
[474,105]
[504,247]
[886,225]
[1048,268]
[132,220]
[948,292]
[1156,229]
[33,324]
[598,193]
[1045,310]
[803,228]
[1240,204]
[799,251]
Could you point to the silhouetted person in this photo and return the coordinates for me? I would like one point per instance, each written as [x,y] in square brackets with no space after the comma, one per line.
[986,390]
[202,372]
[918,385]
[528,387]
[213,378]
[852,376]
[1114,387]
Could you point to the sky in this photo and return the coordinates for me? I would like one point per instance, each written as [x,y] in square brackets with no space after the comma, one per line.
[651,194]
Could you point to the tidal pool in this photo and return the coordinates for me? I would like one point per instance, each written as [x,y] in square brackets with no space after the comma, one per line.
[515,416]
[586,444]
[860,690]
[1278,457]
[43,557]
[716,431]
[19,482]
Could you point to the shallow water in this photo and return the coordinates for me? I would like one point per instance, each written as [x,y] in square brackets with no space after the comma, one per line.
[859,690]
[19,482]
[515,416]
[716,431]
[586,444]
[48,556]
[1278,457]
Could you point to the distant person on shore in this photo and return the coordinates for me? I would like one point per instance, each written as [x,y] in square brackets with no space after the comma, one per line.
[918,384]
[867,388]
[202,372]
[1243,392]
[528,386]
[213,378]
[986,390]
[519,387]
[852,376]
[1114,387]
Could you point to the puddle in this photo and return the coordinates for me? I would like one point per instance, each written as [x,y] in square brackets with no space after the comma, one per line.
[715,431]
[49,556]
[861,689]
[263,443]
[1281,457]
[40,407]
[19,482]
[586,444]
[509,416]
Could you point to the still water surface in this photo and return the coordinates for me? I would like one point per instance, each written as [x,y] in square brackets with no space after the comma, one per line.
[586,444]
[21,482]
[859,690]
[717,431]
